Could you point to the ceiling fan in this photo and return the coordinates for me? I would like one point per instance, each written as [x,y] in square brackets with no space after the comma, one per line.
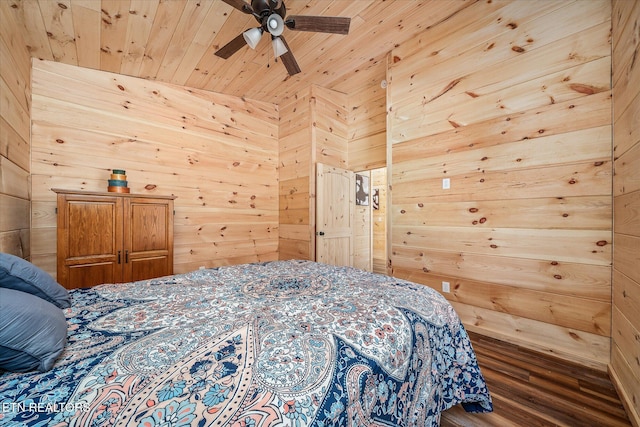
[271,15]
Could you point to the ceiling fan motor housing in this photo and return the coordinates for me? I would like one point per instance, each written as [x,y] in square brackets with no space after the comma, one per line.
[264,8]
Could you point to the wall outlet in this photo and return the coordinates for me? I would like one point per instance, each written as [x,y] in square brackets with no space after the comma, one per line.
[201,267]
[446,183]
[446,287]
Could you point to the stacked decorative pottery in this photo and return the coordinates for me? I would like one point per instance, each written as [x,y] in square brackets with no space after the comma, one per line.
[118,182]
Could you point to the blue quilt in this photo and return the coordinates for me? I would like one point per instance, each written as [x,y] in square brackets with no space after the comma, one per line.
[284,343]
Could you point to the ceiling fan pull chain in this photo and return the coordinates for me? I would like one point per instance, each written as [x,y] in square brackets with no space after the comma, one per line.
[268,56]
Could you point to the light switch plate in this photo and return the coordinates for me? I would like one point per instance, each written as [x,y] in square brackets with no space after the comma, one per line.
[446,183]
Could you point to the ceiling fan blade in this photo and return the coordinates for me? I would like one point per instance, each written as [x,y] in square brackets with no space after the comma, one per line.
[241,5]
[320,24]
[288,60]
[232,47]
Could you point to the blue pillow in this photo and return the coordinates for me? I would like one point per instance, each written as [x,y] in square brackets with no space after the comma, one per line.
[33,332]
[19,274]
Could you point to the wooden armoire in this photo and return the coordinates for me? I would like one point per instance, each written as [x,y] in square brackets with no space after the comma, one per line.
[112,237]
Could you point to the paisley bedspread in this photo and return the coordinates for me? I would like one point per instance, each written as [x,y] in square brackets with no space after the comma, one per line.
[283,343]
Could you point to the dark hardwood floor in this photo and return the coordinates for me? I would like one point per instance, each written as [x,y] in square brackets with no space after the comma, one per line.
[533,389]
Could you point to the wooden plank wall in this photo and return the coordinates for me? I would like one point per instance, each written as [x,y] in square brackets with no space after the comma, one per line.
[313,128]
[295,169]
[15,109]
[367,116]
[511,101]
[217,153]
[330,125]
[625,351]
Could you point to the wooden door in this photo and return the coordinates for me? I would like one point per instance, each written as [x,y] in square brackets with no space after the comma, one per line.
[335,207]
[89,240]
[148,238]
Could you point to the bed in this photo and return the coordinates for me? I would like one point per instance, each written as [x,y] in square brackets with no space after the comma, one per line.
[290,343]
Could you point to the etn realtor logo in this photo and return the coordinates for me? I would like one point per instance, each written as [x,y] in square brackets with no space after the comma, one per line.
[16,407]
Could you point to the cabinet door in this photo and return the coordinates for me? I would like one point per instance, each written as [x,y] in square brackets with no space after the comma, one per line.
[148,238]
[89,240]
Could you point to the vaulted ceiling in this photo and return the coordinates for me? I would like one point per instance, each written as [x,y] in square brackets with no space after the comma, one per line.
[175,40]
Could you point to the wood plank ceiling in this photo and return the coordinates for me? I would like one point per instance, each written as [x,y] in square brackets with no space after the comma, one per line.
[175,40]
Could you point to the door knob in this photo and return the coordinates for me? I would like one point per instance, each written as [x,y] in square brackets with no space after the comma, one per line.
[321,233]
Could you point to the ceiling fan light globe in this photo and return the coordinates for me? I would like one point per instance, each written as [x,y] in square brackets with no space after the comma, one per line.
[275,24]
[278,47]
[252,37]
